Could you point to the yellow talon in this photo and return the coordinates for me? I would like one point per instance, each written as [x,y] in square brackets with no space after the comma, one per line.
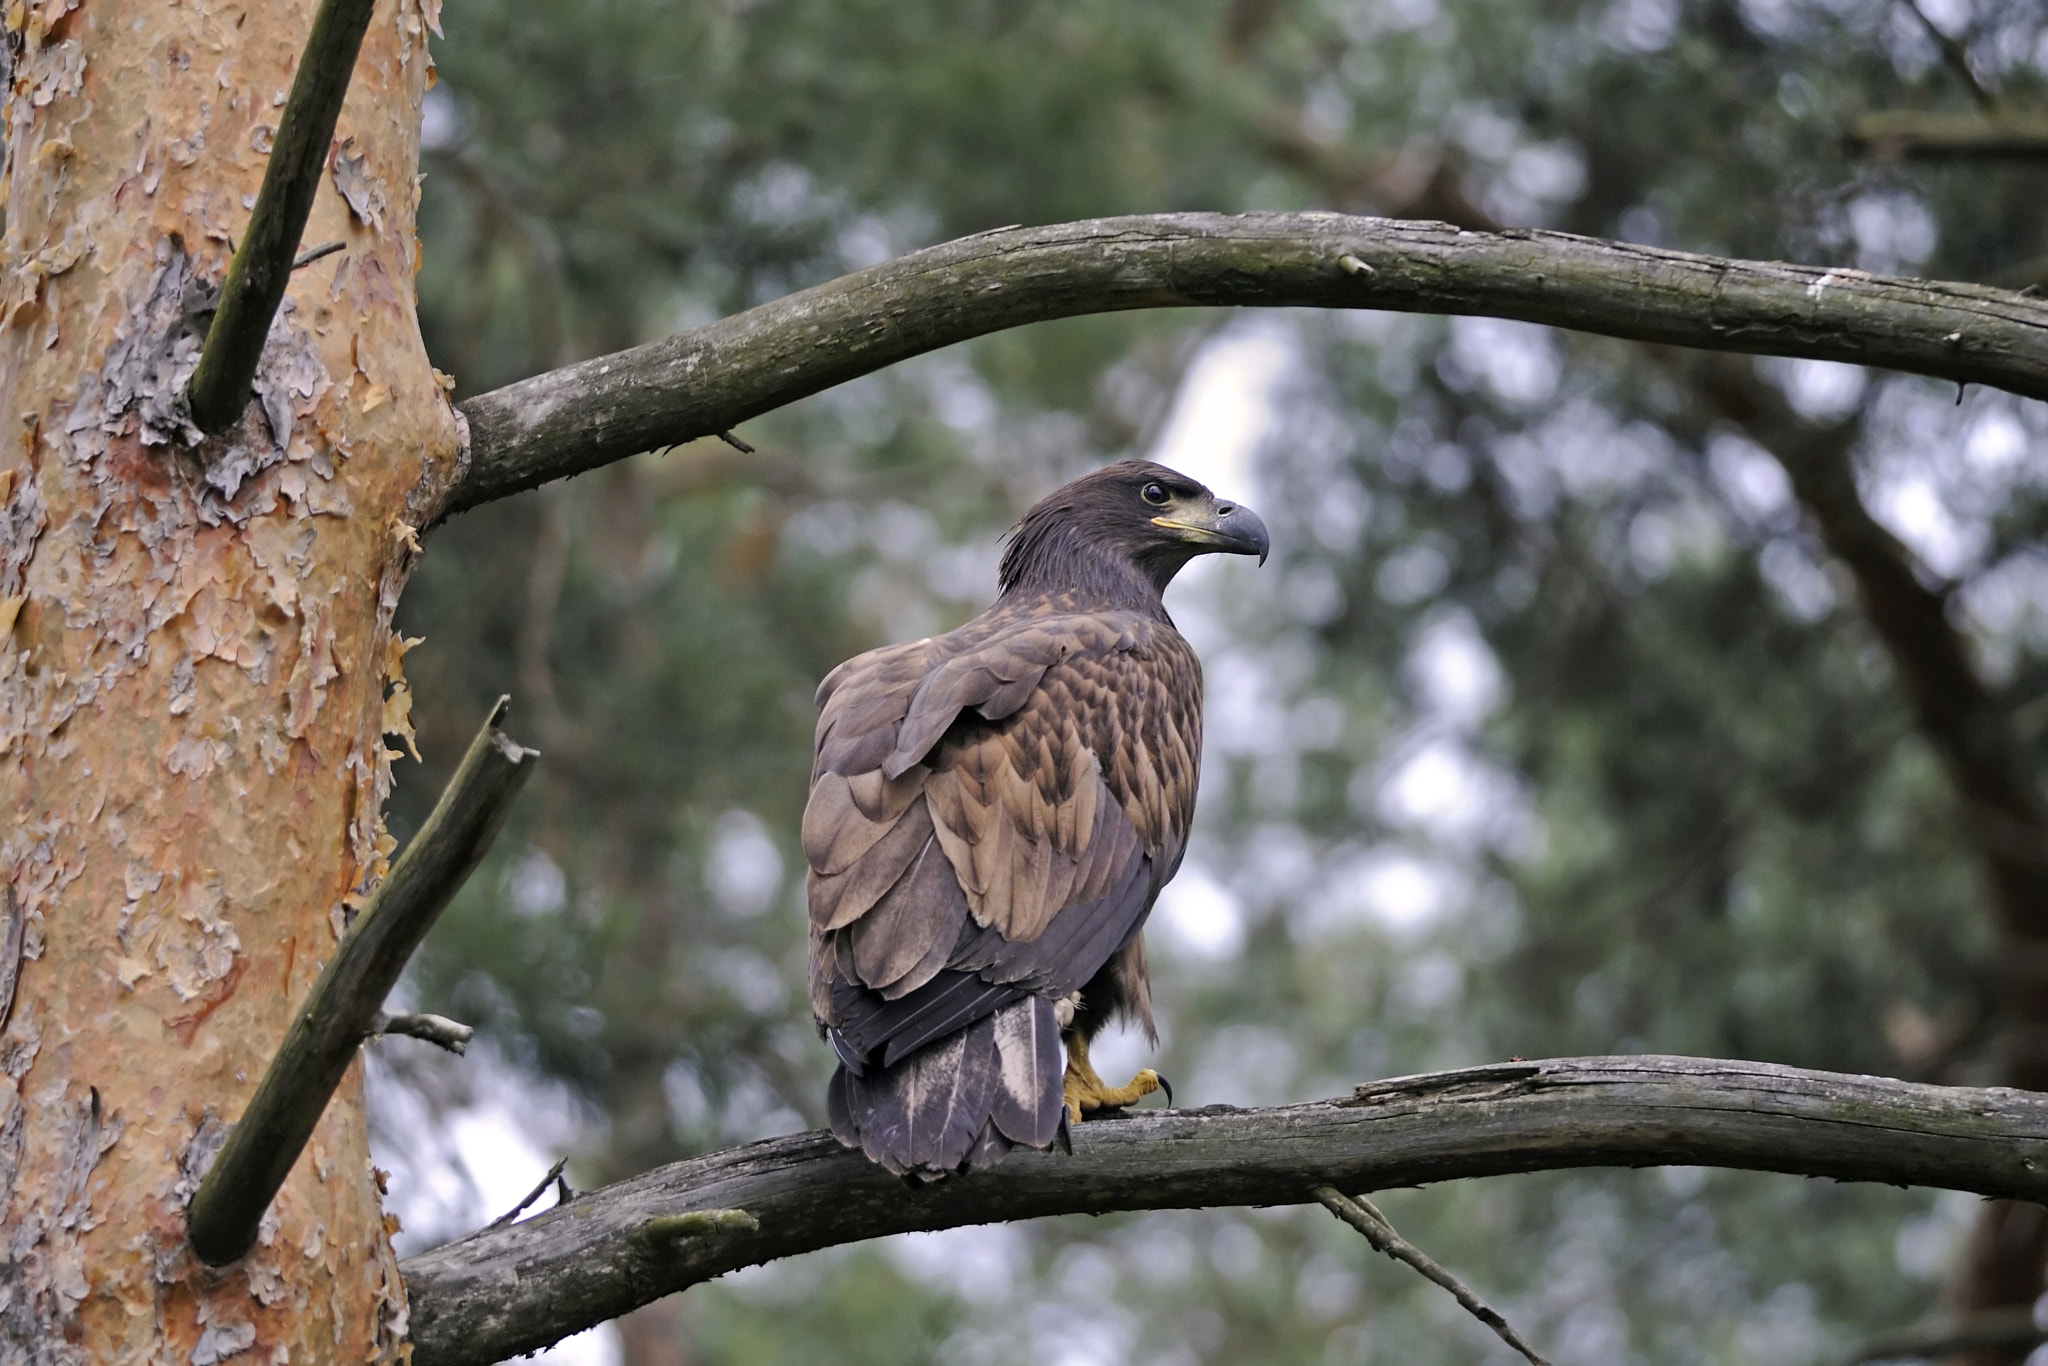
[1083,1090]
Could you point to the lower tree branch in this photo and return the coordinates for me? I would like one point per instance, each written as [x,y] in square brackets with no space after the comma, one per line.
[503,1291]
[708,380]
[344,1006]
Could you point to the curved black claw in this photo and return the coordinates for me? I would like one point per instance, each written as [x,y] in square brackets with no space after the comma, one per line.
[1167,1087]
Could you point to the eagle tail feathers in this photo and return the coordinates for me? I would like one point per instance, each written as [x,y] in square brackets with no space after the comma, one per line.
[959,1103]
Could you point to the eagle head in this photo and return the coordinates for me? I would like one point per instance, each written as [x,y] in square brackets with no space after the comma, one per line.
[1132,522]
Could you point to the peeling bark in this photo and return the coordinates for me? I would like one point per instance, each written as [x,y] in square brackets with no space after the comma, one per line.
[195,651]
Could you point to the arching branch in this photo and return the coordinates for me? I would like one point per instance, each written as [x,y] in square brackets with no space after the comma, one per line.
[705,381]
[513,1289]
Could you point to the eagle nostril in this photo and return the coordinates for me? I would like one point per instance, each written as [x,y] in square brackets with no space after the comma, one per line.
[1225,509]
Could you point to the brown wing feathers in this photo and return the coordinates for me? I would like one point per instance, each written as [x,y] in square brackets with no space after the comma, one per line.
[991,816]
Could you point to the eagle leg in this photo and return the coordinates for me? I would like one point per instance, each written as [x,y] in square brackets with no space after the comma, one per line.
[1083,1090]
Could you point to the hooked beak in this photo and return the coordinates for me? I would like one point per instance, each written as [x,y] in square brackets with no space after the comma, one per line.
[1225,528]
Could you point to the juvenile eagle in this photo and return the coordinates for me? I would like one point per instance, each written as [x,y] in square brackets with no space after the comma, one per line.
[992,814]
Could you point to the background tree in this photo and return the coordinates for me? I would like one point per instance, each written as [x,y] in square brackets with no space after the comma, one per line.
[1560,730]
[1426,793]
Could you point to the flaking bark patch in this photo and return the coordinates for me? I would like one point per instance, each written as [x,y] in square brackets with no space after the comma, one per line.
[192,641]
[154,352]
[141,391]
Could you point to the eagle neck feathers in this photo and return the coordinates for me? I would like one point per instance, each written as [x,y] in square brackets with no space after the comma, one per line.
[1051,558]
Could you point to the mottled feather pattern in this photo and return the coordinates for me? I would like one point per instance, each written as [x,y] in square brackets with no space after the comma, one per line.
[992,814]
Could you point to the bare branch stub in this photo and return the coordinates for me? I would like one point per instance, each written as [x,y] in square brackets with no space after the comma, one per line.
[500,1292]
[438,1030]
[344,1006]
[263,263]
[319,253]
[706,381]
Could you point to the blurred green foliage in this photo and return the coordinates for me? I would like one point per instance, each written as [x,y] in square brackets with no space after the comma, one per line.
[1549,729]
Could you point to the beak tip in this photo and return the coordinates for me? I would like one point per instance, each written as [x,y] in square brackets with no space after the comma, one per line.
[1248,529]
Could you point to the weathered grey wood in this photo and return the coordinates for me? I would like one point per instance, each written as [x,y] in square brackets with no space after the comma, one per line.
[218,391]
[514,1289]
[703,382]
[345,1005]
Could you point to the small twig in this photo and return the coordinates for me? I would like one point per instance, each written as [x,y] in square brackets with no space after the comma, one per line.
[540,1188]
[1364,1216]
[1956,57]
[742,447]
[438,1030]
[343,1007]
[312,254]
[263,263]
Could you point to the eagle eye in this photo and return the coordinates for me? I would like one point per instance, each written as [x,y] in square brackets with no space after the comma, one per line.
[1155,494]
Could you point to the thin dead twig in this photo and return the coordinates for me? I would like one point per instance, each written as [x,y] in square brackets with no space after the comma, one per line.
[540,1188]
[1365,1216]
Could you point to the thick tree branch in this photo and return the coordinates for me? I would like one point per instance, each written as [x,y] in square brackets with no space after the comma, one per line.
[263,263]
[509,1290]
[705,381]
[344,1006]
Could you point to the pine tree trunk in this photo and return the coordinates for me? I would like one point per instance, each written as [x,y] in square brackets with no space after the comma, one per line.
[195,656]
